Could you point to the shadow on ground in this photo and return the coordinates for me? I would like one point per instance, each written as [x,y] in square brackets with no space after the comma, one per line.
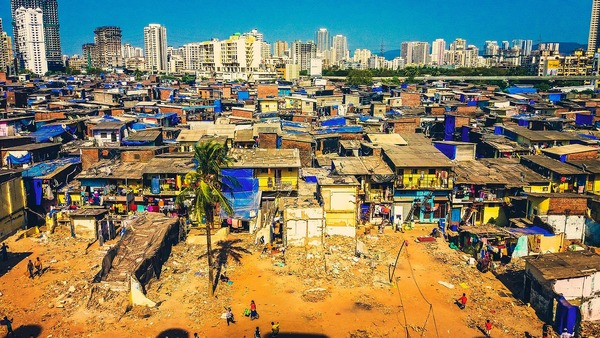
[174,333]
[27,331]
[14,258]
[513,280]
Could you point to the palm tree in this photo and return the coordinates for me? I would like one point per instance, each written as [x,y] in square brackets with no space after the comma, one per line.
[204,188]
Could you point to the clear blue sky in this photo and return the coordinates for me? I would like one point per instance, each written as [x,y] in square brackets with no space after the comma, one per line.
[365,23]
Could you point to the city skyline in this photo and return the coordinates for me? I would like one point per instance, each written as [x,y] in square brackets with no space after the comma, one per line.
[408,23]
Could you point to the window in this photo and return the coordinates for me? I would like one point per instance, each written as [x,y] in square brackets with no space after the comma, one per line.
[103,135]
[414,171]
[290,169]
[136,156]
[432,171]
[264,171]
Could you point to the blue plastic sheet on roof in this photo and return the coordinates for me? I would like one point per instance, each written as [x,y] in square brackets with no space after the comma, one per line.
[14,159]
[364,118]
[45,168]
[521,90]
[45,133]
[267,115]
[293,124]
[534,230]
[334,121]
[591,137]
[108,118]
[135,143]
[139,126]
[344,129]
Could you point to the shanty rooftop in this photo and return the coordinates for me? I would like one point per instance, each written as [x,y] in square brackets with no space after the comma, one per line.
[514,173]
[108,125]
[337,180]
[114,170]
[420,155]
[191,135]
[591,166]
[565,265]
[393,139]
[145,135]
[569,149]
[553,165]
[169,165]
[265,158]
[476,172]
[542,135]
[88,212]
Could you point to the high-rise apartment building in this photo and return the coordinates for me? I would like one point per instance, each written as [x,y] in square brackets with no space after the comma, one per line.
[129,51]
[108,47]
[593,36]
[6,50]
[362,56]
[525,46]
[51,28]
[302,52]
[437,52]
[155,44]
[491,48]
[415,52]
[322,38]
[339,49]
[30,39]
[280,49]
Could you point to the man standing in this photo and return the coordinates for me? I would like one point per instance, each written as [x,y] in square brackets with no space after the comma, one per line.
[462,302]
[38,266]
[275,329]
[4,250]
[229,316]
[488,328]
[30,269]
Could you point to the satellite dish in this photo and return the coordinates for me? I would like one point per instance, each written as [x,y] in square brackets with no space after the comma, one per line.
[64,126]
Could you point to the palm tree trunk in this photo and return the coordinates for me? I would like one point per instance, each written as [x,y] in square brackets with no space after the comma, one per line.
[208,212]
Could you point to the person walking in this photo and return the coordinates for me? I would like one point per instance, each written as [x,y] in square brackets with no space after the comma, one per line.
[8,323]
[30,269]
[462,301]
[38,266]
[4,250]
[229,316]
[253,313]
[275,329]
[488,328]
[257,332]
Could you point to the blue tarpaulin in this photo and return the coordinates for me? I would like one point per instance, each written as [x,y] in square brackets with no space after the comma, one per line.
[520,90]
[45,168]
[46,133]
[344,129]
[155,185]
[241,189]
[136,143]
[566,315]
[334,121]
[293,124]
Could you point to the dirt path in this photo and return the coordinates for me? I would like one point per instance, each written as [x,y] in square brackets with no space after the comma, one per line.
[331,295]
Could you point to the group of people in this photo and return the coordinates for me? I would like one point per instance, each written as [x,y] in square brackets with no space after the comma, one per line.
[37,266]
[462,304]
[253,314]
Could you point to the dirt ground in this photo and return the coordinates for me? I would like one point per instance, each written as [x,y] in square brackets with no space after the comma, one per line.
[320,291]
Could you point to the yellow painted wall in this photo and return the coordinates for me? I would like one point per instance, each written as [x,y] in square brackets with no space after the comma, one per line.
[287,177]
[596,185]
[339,204]
[411,180]
[12,204]
[268,105]
[495,211]
[540,187]
[540,203]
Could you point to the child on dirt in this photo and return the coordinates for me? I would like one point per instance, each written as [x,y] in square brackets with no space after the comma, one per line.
[38,266]
[275,329]
[462,302]
[257,332]
[488,328]
[253,313]
[229,316]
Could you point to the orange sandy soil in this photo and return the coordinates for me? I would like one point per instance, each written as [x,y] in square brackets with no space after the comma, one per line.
[353,299]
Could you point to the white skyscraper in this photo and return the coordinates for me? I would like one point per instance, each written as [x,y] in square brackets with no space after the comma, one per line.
[30,39]
[155,44]
[437,52]
[339,49]
[415,52]
[322,38]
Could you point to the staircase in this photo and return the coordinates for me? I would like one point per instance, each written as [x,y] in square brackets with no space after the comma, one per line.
[417,203]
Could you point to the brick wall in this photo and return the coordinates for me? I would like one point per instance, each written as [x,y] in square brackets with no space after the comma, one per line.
[265,91]
[164,94]
[89,157]
[462,121]
[267,140]
[176,110]
[438,110]
[351,136]
[304,148]
[241,113]
[410,99]
[407,125]
[466,109]
[301,118]
[137,155]
[226,92]
[587,155]
[40,116]
[558,205]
